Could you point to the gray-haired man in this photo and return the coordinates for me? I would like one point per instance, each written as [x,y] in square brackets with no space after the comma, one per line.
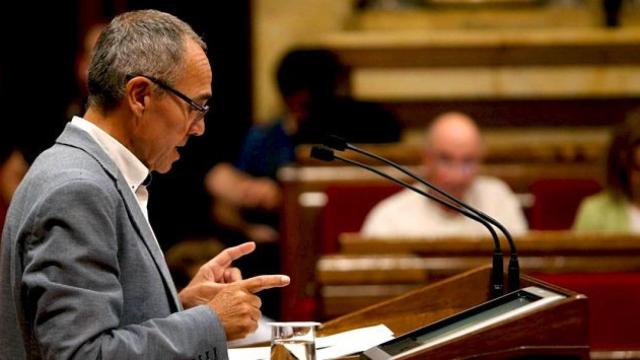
[82,275]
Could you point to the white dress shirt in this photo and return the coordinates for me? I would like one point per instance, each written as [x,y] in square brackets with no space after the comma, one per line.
[407,214]
[130,166]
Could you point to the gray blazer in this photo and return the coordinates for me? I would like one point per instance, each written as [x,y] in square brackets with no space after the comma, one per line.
[81,274]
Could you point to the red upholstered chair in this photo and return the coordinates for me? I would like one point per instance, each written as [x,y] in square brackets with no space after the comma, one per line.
[346,208]
[614,306]
[556,201]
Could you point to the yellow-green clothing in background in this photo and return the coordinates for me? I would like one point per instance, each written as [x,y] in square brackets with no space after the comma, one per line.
[603,212]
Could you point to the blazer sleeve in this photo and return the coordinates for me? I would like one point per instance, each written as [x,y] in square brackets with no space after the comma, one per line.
[71,281]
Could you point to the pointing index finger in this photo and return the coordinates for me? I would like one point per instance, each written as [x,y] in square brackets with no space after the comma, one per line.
[263,282]
[228,255]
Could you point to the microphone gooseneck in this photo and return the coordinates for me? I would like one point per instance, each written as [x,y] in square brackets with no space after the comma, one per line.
[322,153]
[325,154]
[340,144]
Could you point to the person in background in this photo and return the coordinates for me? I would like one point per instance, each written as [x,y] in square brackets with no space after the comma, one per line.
[83,57]
[451,157]
[246,195]
[314,90]
[617,207]
[13,167]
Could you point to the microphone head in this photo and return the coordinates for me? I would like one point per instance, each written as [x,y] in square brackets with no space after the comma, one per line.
[322,153]
[335,142]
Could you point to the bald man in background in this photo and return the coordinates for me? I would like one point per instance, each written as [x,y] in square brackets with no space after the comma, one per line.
[451,157]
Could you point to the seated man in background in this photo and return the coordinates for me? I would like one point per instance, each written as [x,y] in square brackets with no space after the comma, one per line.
[452,154]
[617,208]
[313,85]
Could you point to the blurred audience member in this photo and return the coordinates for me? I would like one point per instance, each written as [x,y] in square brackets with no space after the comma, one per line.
[452,154]
[617,208]
[313,86]
[246,195]
[13,167]
[83,57]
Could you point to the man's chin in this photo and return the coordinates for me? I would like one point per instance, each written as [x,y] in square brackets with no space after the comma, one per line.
[165,167]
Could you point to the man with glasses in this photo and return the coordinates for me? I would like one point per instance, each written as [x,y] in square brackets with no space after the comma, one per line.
[451,157]
[81,272]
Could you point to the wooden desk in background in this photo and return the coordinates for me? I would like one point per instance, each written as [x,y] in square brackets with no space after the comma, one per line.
[370,270]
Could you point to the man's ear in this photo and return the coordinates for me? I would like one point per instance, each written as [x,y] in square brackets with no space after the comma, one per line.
[137,93]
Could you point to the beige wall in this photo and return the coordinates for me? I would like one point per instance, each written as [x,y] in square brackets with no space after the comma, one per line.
[279,25]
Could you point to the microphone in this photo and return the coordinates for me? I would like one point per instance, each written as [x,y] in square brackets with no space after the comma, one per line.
[497,286]
[341,144]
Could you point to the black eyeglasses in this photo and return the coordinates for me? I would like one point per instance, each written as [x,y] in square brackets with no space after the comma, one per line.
[202,109]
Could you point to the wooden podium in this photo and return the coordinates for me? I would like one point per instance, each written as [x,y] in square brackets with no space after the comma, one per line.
[558,330]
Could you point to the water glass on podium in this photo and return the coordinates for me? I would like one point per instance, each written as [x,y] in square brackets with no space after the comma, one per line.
[293,340]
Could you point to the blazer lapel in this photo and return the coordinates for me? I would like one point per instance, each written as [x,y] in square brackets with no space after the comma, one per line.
[78,138]
[144,230]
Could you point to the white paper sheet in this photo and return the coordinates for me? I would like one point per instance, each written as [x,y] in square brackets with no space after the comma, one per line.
[328,347]
[251,353]
[351,342]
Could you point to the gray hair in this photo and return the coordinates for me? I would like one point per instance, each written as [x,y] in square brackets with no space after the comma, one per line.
[146,42]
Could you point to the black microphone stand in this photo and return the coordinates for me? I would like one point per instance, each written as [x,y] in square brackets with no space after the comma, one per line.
[497,285]
[340,144]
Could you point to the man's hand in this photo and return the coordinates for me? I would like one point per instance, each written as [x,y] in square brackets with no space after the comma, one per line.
[261,193]
[242,190]
[261,233]
[237,307]
[204,286]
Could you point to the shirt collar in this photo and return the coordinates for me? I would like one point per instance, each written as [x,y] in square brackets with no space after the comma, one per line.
[133,170]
